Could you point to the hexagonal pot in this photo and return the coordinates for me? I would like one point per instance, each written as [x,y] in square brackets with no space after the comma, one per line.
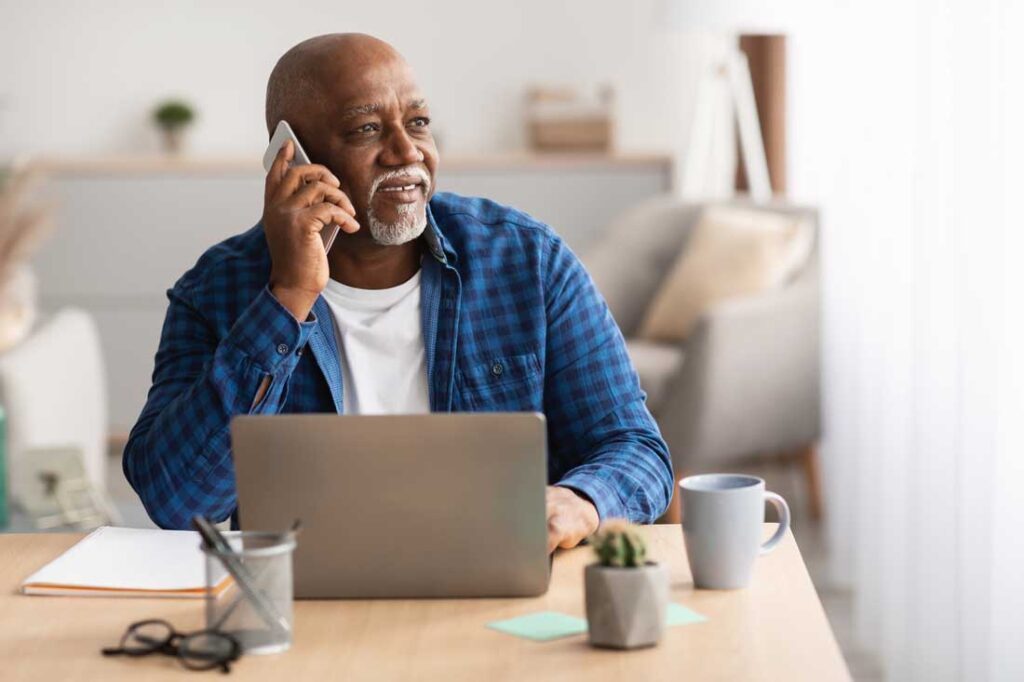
[626,607]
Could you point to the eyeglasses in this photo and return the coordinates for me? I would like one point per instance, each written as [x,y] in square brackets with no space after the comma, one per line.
[202,650]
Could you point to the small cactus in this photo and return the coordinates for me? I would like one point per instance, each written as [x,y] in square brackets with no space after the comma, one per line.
[617,543]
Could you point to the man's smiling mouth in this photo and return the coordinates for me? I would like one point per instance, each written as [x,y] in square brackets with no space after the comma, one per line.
[403,189]
[402,186]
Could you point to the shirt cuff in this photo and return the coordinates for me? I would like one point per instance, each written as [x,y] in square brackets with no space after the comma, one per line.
[269,334]
[604,497]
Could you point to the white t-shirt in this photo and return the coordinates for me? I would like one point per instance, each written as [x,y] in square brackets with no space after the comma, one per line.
[380,344]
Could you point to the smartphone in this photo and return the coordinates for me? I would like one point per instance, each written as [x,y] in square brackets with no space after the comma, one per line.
[283,133]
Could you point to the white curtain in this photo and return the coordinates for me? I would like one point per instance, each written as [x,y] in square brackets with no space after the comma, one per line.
[906,126]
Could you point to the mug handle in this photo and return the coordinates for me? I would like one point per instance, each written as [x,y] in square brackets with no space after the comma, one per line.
[783,509]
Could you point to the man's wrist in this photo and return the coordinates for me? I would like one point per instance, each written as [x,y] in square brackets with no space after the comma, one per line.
[298,303]
[586,503]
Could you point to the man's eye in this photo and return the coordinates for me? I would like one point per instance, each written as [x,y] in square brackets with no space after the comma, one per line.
[367,128]
[420,122]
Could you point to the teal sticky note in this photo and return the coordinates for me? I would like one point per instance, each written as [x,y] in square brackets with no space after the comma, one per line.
[677,614]
[541,626]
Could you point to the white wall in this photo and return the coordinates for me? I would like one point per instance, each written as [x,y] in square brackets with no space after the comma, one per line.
[81,77]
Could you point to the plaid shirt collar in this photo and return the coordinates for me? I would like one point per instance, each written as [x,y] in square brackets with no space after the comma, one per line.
[438,244]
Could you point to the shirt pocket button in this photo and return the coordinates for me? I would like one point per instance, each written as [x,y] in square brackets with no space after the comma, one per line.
[497,369]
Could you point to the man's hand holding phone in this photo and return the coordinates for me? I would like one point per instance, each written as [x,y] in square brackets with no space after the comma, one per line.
[298,203]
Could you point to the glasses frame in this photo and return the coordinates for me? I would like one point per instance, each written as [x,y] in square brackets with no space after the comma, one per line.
[175,644]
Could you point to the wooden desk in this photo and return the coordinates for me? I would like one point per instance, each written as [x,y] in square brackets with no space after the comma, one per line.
[775,630]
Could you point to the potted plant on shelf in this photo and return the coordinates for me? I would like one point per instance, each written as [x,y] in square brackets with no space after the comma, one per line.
[173,117]
[626,595]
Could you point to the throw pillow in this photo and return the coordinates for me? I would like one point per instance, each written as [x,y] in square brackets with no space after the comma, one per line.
[732,252]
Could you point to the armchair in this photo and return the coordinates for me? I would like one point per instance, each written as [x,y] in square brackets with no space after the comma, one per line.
[745,383]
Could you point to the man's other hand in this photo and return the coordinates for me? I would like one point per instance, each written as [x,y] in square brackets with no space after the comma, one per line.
[571,517]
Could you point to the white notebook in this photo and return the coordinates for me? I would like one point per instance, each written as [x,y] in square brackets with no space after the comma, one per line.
[128,562]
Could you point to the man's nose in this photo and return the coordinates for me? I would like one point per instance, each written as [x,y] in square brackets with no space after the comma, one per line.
[401,150]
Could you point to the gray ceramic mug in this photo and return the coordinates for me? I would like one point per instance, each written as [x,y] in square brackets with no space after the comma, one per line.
[723,517]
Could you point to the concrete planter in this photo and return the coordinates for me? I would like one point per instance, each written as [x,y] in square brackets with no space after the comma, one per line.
[626,606]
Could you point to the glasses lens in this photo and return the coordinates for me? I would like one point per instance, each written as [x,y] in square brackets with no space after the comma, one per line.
[147,636]
[207,650]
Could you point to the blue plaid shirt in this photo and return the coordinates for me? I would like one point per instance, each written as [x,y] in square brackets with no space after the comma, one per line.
[511,322]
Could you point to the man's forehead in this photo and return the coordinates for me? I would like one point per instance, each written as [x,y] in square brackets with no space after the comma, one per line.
[366,88]
[366,108]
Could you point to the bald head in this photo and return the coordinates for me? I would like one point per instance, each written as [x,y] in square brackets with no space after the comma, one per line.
[301,74]
[354,103]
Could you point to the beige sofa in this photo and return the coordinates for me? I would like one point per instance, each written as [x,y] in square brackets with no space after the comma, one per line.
[745,383]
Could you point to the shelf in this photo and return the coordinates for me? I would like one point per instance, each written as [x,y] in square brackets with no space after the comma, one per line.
[233,165]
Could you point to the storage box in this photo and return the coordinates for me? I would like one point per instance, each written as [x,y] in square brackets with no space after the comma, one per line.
[564,120]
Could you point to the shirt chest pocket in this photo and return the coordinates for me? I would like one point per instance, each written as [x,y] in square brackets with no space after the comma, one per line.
[512,383]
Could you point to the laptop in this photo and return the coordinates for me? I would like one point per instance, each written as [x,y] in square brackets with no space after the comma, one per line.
[401,506]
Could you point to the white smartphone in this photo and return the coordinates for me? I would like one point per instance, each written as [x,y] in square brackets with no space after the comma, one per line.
[282,133]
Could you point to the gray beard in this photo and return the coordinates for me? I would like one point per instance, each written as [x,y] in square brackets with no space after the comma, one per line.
[409,226]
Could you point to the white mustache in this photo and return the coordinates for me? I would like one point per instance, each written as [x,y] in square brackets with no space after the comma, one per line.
[408,171]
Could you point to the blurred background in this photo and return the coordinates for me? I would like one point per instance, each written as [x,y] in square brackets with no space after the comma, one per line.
[801,214]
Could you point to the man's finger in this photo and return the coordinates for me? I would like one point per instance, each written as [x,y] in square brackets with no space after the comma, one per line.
[297,176]
[343,220]
[570,541]
[550,501]
[327,214]
[554,534]
[284,155]
[277,169]
[344,203]
[565,530]
[346,222]
[319,192]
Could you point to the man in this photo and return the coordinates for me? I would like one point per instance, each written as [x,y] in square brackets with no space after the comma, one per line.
[426,302]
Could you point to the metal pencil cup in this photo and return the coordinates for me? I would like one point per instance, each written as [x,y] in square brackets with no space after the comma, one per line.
[258,614]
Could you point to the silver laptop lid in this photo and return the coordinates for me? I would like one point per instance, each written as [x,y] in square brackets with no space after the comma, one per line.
[438,505]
